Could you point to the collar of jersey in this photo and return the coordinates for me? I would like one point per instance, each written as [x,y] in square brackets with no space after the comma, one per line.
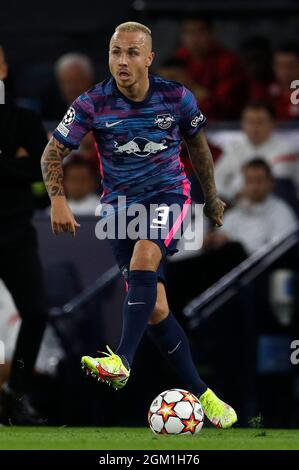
[135,103]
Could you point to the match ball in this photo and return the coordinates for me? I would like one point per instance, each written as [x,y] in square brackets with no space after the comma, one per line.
[176,411]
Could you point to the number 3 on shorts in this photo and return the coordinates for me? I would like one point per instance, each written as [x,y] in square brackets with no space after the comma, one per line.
[162,216]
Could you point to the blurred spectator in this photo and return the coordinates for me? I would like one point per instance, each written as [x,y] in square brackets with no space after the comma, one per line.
[278,93]
[8,80]
[258,139]
[3,65]
[22,139]
[87,150]
[257,55]
[221,85]
[175,69]
[259,217]
[50,352]
[81,183]
[74,75]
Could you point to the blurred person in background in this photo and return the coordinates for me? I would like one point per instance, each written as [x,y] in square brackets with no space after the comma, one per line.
[87,150]
[175,69]
[81,184]
[221,83]
[22,139]
[278,93]
[3,65]
[286,70]
[74,74]
[257,55]
[50,352]
[258,138]
[258,218]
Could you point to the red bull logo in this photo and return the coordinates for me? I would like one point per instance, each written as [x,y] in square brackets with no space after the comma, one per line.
[140,147]
[164,121]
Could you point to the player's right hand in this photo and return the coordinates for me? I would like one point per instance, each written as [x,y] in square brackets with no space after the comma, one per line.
[62,219]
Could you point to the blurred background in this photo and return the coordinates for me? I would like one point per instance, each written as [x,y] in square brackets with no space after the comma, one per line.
[237,296]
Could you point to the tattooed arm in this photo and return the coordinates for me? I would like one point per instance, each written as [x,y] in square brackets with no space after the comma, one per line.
[51,163]
[202,162]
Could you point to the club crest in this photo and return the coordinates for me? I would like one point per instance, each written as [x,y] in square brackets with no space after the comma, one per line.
[164,121]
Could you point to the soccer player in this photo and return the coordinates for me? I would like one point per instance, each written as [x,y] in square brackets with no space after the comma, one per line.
[138,122]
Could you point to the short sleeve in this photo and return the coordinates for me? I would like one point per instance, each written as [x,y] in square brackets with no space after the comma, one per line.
[77,122]
[191,117]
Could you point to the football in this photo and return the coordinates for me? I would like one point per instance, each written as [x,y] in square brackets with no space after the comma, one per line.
[176,411]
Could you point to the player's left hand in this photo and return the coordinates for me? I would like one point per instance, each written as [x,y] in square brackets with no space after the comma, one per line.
[214,209]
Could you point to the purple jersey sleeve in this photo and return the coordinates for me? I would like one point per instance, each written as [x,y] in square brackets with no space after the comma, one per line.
[77,122]
[192,119]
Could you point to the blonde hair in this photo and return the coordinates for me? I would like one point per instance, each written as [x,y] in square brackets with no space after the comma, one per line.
[132,27]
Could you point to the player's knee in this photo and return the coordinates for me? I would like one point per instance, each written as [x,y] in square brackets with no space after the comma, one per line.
[146,256]
[160,312]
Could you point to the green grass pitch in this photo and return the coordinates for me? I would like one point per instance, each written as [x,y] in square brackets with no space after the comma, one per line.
[51,438]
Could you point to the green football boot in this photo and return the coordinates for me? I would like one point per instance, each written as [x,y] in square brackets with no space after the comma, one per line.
[219,413]
[110,369]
